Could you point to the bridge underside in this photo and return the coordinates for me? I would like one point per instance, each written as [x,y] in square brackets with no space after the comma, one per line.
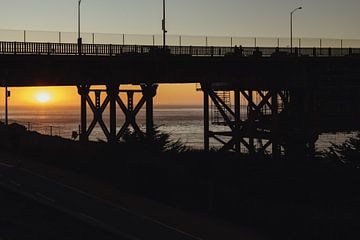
[249,72]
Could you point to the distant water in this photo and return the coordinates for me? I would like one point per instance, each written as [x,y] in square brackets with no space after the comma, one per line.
[182,122]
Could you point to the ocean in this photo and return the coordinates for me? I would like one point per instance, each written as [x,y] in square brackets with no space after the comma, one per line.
[181,122]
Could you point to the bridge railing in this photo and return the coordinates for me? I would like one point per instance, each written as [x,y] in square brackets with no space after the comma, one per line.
[173,40]
[35,48]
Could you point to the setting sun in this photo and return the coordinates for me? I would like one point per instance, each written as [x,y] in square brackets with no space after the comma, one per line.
[43,97]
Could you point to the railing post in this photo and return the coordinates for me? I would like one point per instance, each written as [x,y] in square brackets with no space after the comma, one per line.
[350,51]
[329,51]
[110,50]
[14,47]
[341,47]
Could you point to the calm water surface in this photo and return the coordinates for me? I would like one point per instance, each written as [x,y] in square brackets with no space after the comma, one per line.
[181,122]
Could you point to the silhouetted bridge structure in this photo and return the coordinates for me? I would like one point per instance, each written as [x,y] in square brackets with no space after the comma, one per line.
[290,97]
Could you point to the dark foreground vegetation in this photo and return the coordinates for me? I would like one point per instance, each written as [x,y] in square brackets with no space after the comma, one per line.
[298,198]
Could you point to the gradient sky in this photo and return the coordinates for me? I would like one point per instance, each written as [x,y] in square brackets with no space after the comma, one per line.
[261,18]
[255,18]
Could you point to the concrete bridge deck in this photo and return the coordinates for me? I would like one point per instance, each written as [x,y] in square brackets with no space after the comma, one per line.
[27,67]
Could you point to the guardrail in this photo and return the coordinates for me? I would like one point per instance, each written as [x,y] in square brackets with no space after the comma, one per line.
[173,40]
[34,48]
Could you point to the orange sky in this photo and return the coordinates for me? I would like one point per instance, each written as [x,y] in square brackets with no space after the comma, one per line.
[168,94]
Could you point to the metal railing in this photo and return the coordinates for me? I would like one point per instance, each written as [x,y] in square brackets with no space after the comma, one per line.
[102,44]
[173,40]
[42,128]
[35,48]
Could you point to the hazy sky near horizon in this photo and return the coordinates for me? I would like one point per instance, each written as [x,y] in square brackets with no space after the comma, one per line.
[260,18]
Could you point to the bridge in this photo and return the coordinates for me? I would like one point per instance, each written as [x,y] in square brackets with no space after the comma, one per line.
[291,95]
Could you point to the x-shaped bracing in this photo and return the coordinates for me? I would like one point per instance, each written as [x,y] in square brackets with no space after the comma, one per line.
[130,111]
[130,114]
[98,110]
[239,128]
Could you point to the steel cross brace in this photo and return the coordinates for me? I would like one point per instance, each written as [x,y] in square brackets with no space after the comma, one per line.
[98,110]
[130,114]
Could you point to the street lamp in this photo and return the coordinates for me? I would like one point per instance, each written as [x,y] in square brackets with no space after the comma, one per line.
[291,27]
[79,35]
[164,24]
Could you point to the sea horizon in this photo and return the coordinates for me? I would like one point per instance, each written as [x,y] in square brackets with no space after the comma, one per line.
[183,122]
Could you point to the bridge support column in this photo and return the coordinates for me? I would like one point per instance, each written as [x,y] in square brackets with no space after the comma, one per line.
[237,106]
[261,122]
[113,93]
[149,92]
[226,113]
[251,118]
[206,119]
[276,147]
[83,91]
[113,100]
[300,144]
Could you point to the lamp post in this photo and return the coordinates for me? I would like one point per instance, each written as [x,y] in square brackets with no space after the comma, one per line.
[79,34]
[291,27]
[164,24]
